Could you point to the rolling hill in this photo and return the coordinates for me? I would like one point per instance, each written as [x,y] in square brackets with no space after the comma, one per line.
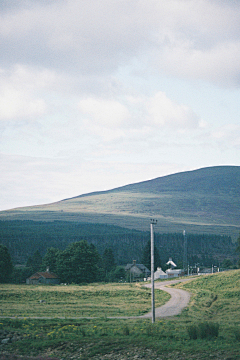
[206,200]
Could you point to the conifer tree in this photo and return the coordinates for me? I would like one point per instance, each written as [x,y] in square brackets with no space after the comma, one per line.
[6,266]
[50,259]
[108,260]
[238,249]
[35,262]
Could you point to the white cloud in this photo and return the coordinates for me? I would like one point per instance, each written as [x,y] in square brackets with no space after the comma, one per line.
[137,113]
[21,92]
[16,105]
[164,112]
[191,39]
[220,64]
[108,113]
[227,136]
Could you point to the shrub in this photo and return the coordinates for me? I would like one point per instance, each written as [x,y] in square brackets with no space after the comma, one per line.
[237,334]
[208,330]
[204,330]
[82,332]
[126,330]
[192,332]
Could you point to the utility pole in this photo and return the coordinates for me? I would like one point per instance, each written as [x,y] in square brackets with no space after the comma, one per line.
[153,222]
[185,262]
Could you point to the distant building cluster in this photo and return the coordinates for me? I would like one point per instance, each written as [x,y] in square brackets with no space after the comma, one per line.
[141,272]
[135,272]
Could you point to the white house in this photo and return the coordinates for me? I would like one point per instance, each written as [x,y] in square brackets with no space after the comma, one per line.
[160,274]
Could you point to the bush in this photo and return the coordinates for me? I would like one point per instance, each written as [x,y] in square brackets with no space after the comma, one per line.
[237,334]
[204,330]
[192,332]
[208,330]
[126,330]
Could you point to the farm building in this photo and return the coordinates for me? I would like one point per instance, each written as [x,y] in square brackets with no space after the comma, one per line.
[46,277]
[174,273]
[137,271]
[160,274]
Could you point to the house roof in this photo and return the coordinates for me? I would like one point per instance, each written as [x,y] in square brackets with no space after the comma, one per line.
[46,275]
[170,262]
[142,267]
[159,272]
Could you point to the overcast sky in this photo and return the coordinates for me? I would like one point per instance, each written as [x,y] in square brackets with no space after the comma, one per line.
[97,94]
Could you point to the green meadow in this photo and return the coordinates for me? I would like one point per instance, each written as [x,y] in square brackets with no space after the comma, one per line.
[209,328]
[71,301]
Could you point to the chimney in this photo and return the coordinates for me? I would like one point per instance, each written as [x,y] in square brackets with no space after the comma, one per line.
[134,262]
[47,270]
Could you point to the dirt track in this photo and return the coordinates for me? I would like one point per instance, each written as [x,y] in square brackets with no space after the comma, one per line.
[179,300]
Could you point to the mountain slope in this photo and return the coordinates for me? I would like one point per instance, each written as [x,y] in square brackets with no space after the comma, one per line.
[204,200]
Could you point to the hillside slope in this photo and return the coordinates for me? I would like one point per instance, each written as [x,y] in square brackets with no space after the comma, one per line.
[205,200]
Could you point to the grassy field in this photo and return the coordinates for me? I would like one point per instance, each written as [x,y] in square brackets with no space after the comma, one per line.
[208,329]
[215,297]
[77,301]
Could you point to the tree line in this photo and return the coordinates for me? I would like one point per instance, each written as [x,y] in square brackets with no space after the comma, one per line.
[24,238]
[79,263]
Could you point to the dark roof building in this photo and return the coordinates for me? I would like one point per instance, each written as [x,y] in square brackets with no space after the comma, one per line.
[137,270]
[43,278]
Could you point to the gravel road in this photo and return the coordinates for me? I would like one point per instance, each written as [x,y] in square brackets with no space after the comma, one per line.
[179,300]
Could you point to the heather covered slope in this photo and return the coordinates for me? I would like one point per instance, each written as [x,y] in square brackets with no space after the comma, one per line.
[205,200]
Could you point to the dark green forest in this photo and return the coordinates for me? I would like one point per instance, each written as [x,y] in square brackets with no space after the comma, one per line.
[24,238]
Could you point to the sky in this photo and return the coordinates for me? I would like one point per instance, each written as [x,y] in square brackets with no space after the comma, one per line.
[98,94]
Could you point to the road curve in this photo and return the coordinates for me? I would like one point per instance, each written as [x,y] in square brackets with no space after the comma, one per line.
[179,300]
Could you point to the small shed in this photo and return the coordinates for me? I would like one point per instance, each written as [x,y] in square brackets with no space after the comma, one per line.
[160,274]
[46,278]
